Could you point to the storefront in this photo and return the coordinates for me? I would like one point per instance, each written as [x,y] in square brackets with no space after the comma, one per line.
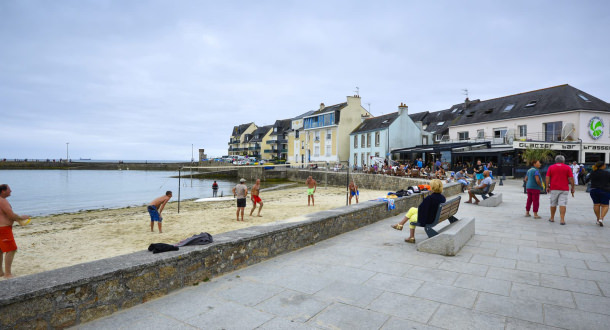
[573,151]
[443,151]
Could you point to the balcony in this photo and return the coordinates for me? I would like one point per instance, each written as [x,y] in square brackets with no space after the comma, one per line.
[283,151]
[270,151]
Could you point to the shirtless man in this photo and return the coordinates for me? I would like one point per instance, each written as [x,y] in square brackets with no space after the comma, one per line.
[156,207]
[353,191]
[7,241]
[240,192]
[255,198]
[311,189]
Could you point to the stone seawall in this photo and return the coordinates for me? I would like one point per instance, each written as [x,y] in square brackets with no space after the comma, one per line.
[77,294]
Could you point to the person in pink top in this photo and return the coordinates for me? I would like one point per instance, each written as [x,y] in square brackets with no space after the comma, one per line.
[559,178]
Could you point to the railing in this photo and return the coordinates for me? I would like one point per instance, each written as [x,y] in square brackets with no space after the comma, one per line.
[272,141]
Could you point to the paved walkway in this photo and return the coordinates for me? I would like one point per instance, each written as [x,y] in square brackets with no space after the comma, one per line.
[516,273]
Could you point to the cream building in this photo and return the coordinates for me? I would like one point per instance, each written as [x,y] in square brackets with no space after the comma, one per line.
[296,145]
[239,140]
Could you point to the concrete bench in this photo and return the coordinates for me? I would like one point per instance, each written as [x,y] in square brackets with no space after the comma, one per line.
[492,201]
[446,211]
[449,239]
[489,191]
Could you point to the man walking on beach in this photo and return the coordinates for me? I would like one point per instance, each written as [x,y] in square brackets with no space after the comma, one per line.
[240,192]
[214,189]
[255,198]
[7,241]
[311,189]
[156,207]
[558,179]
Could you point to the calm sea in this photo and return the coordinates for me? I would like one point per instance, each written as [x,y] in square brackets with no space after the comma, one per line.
[44,192]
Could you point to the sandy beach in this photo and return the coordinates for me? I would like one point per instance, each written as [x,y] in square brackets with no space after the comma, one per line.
[68,239]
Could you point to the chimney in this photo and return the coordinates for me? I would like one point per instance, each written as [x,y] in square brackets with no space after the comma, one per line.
[403,108]
[355,100]
[322,106]
[466,102]
[364,117]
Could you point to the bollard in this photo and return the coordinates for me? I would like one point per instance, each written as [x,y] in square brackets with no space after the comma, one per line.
[503,177]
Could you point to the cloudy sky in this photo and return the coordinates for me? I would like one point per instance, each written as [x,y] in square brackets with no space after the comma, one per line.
[149,79]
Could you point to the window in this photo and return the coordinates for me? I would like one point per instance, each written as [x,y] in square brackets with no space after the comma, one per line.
[377,139]
[499,133]
[531,104]
[328,134]
[438,137]
[368,139]
[296,134]
[362,140]
[462,136]
[328,150]
[509,107]
[368,158]
[362,159]
[316,151]
[355,141]
[522,130]
[355,158]
[552,131]
[317,136]
[480,134]
[584,97]
[376,154]
[489,110]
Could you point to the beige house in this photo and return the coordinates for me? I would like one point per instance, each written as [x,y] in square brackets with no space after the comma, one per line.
[296,145]
[239,141]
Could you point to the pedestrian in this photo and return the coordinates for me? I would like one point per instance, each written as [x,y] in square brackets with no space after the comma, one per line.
[478,170]
[559,178]
[155,208]
[311,189]
[214,189]
[575,168]
[255,198]
[353,191]
[600,191]
[533,183]
[240,192]
[8,247]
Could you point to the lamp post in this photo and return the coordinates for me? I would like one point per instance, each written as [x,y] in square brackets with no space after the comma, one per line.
[67,151]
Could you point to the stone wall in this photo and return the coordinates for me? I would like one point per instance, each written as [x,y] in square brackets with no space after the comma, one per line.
[77,294]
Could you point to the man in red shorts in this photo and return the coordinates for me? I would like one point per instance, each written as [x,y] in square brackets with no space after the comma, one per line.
[255,198]
[7,241]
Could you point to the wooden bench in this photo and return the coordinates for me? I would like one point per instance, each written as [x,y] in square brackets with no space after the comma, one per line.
[446,211]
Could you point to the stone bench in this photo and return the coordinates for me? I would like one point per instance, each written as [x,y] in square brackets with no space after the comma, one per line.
[492,201]
[450,239]
[490,191]
[446,211]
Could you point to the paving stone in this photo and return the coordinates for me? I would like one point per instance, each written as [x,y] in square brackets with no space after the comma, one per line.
[282,323]
[161,323]
[397,284]
[557,246]
[121,320]
[537,267]
[542,295]
[405,307]
[230,316]
[305,283]
[605,287]
[249,293]
[388,267]
[432,275]
[544,259]
[516,324]
[569,318]
[519,242]
[339,316]
[447,294]
[484,284]
[583,256]
[540,251]
[395,323]
[493,261]
[601,266]
[514,275]
[478,250]
[349,293]
[463,267]
[499,246]
[591,303]
[452,317]
[517,255]
[592,275]
[569,284]
[293,305]
[424,260]
[511,307]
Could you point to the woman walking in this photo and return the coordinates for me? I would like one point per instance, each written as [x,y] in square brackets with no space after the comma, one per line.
[533,184]
[600,191]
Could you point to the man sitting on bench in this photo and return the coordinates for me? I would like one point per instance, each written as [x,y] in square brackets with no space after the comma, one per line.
[481,189]
[426,211]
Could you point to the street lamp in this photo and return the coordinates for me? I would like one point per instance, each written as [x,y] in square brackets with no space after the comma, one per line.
[67,152]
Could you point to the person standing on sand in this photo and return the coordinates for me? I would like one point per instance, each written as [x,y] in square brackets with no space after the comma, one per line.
[155,208]
[214,189]
[240,192]
[7,241]
[311,189]
[353,191]
[255,198]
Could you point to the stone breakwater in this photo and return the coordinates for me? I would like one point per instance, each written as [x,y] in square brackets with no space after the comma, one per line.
[81,293]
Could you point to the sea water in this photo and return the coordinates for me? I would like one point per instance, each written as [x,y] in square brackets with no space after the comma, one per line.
[44,192]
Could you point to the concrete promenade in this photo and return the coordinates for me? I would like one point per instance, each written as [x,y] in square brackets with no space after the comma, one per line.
[516,273]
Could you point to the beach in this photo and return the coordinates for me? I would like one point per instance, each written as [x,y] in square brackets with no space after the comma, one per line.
[62,240]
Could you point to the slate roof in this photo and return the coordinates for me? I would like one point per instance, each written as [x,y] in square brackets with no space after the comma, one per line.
[282,125]
[308,113]
[238,130]
[261,132]
[330,108]
[376,123]
[547,101]
[418,116]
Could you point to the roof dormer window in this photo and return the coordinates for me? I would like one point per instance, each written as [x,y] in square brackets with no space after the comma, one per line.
[489,110]
[440,123]
[584,98]
[531,104]
[509,107]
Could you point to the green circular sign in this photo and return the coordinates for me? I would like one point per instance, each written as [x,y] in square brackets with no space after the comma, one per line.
[596,128]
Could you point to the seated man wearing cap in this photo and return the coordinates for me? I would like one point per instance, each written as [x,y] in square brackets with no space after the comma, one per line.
[240,192]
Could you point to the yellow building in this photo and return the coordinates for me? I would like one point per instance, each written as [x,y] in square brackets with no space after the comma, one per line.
[238,143]
[326,132]
[296,140]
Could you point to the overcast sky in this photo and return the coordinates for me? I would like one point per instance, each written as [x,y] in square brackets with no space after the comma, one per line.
[148,79]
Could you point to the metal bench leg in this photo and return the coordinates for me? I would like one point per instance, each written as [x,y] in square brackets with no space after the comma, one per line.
[452,219]
[491,194]
[484,197]
[430,231]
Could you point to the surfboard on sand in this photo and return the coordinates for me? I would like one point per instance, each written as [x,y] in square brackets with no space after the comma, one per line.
[215,199]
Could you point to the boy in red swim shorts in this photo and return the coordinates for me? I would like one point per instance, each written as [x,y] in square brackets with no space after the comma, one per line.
[255,198]
[7,241]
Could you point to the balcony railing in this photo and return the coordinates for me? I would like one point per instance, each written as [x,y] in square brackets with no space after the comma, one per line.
[272,142]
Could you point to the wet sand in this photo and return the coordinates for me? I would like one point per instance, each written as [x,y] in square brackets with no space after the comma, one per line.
[68,239]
